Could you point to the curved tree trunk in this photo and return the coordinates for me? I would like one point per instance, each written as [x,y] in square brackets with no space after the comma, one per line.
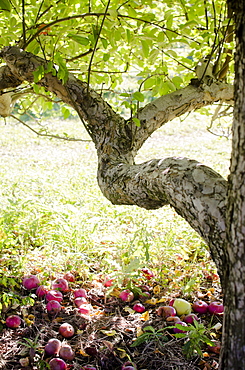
[233,348]
[196,192]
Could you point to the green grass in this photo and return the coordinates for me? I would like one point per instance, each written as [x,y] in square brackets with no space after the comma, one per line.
[54,218]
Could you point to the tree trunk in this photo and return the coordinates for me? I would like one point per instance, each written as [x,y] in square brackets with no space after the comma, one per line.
[233,349]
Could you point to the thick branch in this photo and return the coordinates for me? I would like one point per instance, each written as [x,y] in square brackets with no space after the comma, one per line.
[196,192]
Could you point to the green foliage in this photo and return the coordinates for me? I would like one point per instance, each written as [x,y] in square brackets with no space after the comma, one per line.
[154,45]
[149,335]
[195,336]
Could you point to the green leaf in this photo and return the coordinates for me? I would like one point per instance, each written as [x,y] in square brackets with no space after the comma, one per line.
[138,96]
[5,5]
[141,339]
[66,113]
[136,121]
[149,83]
[145,48]
[79,39]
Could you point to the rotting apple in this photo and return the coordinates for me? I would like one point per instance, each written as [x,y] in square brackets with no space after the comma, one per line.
[200,306]
[181,306]
[57,364]
[126,295]
[53,307]
[139,307]
[52,347]
[66,330]
[61,285]
[13,321]
[66,352]
[80,293]
[216,308]
[166,311]
[30,282]
[54,295]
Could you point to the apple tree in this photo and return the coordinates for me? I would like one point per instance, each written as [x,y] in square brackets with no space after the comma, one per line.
[127,68]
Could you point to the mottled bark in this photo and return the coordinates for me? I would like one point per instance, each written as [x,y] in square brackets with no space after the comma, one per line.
[233,349]
[196,192]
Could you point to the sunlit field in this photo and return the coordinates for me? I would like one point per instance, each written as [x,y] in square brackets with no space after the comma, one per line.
[54,218]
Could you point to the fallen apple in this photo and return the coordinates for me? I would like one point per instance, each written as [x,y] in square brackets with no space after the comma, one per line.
[41,291]
[147,273]
[54,295]
[57,364]
[13,321]
[178,330]
[138,307]
[30,282]
[166,311]
[61,285]
[53,307]
[69,277]
[80,293]
[189,319]
[80,300]
[128,366]
[126,295]
[88,367]
[66,352]
[181,306]
[66,330]
[52,347]
[200,306]
[84,309]
[144,296]
[216,308]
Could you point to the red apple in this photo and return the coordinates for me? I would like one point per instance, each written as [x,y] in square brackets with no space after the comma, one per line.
[80,300]
[216,308]
[80,293]
[147,273]
[66,352]
[54,295]
[88,367]
[57,364]
[69,277]
[13,321]
[126,295]
[53,307]
[66,330]
[138,307]
[177,330]
[166,311]
[41,291]
[61,285]
[52,347]
[128,366]
[85,309]
[189,319]
[200,306]
[30,282]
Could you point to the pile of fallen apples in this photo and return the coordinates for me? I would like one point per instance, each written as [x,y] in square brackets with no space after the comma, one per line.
[178,311]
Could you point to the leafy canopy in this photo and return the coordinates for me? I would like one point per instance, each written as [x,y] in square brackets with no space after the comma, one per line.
[115,43]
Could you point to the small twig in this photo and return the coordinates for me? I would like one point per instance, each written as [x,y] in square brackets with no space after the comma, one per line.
[96,43]
[48,135]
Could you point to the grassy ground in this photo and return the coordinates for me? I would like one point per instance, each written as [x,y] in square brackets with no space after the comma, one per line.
[54,219]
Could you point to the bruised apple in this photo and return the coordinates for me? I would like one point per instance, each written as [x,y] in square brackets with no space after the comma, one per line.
[53,307]
[66,330]
[166,311]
